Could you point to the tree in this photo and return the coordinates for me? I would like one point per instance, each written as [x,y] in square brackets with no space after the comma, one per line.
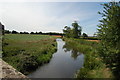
[7,32]
[40,32]
[68,32]
[74,32]
[84,35]
[76,29]
[109,29]
[32,33]
[109,33]
[14,32]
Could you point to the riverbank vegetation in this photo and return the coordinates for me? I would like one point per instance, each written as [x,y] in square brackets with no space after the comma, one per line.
[26,52]
[102,58]
[109,33]
[93,64]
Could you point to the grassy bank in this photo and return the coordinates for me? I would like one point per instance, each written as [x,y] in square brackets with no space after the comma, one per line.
[26,52]
[93,64]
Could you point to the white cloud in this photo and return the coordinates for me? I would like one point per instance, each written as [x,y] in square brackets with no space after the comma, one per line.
[42,17]
[20,17]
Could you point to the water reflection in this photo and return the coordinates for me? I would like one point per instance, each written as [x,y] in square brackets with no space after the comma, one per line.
[74,53]
[64,63]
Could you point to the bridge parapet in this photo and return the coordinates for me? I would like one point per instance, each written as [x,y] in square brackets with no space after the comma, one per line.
[7,71]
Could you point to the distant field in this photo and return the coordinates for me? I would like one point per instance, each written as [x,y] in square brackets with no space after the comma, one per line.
[57,36]
[26,52]
[26,37]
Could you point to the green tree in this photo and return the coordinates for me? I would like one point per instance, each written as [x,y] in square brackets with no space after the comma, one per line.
[14,32]
[76,30]
[109,33]
[109,29]
[68,32]
[7,31]
[84,35]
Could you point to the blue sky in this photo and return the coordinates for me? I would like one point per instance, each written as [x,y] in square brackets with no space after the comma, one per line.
[50,16]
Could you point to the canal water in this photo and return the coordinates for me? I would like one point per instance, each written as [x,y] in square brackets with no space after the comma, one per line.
[64,63]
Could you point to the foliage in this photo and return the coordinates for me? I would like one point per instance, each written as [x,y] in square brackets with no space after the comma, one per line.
[74,32]
[109,33]
[14,32]
[109,29]
[93,65]
[7,32]
[85,35]
[24,33]
[68,32]
[39,33]
[26,52]
[90,38]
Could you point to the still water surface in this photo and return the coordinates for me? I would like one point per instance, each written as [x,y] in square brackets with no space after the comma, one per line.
[64,63]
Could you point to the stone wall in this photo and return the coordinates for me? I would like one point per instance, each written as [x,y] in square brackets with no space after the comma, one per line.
[7,71]
[1,29]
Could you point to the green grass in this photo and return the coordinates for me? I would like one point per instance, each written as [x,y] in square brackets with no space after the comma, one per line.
[90,38]
[26,37]
[93,64]
[26,52]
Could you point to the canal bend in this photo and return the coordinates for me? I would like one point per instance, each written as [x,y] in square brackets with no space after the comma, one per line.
[64,63]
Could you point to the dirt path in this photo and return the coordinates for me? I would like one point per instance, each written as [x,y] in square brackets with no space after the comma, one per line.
[94,40]
[57,36]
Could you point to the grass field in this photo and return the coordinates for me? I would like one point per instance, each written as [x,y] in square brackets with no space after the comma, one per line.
[93,64]
[26,52]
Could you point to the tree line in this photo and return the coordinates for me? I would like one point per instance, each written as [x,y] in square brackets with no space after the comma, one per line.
[40,33]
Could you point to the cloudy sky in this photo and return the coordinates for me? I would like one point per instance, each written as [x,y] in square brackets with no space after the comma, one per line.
[49,16]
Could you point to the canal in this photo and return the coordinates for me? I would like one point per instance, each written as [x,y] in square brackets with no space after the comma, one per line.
[64,63]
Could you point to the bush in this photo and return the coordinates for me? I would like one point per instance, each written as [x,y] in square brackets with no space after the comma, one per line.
[27,64]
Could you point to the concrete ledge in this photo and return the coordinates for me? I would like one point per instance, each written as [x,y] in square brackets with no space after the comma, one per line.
[7,71]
